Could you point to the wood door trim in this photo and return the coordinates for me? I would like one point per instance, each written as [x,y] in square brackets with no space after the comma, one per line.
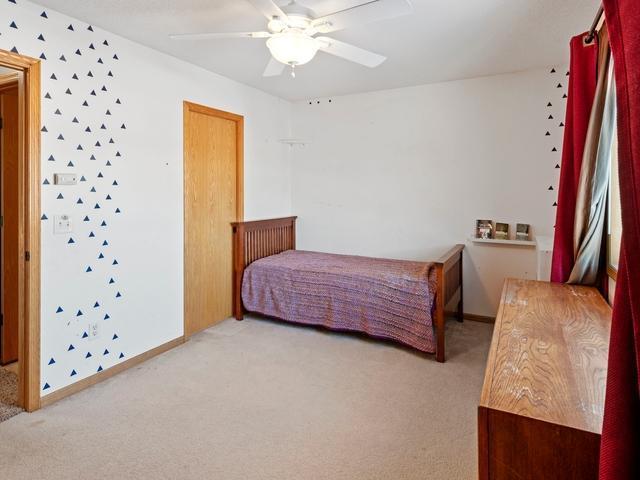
[29,218]
[190,107]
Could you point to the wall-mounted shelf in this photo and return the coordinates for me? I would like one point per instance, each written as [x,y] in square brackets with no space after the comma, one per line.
[519,243]
[294,141]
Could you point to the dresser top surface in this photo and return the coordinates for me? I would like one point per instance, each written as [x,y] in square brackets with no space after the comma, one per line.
[548,356]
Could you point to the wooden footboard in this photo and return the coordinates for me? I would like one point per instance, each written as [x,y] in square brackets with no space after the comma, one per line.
[449,291]
[253,241]
[261,238]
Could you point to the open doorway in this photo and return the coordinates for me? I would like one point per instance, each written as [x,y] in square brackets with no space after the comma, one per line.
[11,86]
[20,233]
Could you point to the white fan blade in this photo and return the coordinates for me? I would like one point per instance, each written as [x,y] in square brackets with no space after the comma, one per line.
[350,52]
[274,68]
[211,36]
[372,11]
[269,9]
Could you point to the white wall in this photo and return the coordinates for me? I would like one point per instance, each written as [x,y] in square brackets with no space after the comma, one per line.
[146,237]
[405,173]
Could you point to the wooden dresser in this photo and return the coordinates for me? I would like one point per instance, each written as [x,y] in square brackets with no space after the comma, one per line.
[540,413]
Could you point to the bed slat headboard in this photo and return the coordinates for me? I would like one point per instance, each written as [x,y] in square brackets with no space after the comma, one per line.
[255,240]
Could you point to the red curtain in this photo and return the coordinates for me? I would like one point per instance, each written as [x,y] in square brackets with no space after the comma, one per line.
[582,86]
[620,448]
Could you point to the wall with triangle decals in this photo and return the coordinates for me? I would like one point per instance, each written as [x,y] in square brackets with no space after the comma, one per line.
[112,114]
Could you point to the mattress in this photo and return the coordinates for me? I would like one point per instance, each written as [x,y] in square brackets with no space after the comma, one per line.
[383,298]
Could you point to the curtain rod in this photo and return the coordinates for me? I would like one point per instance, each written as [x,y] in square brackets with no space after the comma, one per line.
[594,25]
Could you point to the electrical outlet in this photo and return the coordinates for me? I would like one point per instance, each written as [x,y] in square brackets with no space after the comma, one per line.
[61,224]
[94,331]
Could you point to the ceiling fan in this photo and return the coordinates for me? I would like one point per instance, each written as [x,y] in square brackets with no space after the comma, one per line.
[292,29]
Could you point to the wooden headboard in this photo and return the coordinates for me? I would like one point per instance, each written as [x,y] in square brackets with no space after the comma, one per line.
[255,240]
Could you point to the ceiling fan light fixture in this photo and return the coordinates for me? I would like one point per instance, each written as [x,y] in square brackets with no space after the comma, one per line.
[292,47]
[276,25]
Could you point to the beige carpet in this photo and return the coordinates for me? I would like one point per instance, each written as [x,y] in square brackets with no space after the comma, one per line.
[8,394]
[265,400]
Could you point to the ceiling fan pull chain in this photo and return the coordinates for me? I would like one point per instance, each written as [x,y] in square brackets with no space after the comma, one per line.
[293,70]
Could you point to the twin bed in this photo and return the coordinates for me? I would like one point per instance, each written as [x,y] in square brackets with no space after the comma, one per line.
[397,300]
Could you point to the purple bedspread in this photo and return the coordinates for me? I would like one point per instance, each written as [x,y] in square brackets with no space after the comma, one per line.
[390,299]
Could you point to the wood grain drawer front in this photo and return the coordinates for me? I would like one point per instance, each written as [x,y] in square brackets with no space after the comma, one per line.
[543,396]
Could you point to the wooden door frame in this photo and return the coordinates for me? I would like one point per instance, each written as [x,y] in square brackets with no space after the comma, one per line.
[29,219]
[239,120]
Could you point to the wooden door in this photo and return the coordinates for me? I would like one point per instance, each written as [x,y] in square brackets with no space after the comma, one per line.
[9,237]
[212,200]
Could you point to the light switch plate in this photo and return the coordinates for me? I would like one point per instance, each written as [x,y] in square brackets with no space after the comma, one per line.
[62,224]
[65,179]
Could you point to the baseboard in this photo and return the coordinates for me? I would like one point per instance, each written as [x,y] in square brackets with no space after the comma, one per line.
[473,317]
[479,318]
[108,373]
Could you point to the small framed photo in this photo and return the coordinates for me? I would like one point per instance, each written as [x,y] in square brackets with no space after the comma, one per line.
[484,229]
[502,231]
[522,231]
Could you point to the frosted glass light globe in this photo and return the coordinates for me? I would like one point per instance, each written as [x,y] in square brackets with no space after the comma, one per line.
[292,47]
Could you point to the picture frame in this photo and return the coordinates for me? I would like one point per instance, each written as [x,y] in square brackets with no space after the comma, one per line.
[484,229]
[501,231]
[523,231]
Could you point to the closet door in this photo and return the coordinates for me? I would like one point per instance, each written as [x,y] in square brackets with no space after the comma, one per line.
[212,200]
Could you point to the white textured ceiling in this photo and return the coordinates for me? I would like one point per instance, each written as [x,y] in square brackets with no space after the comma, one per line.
[442,40]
